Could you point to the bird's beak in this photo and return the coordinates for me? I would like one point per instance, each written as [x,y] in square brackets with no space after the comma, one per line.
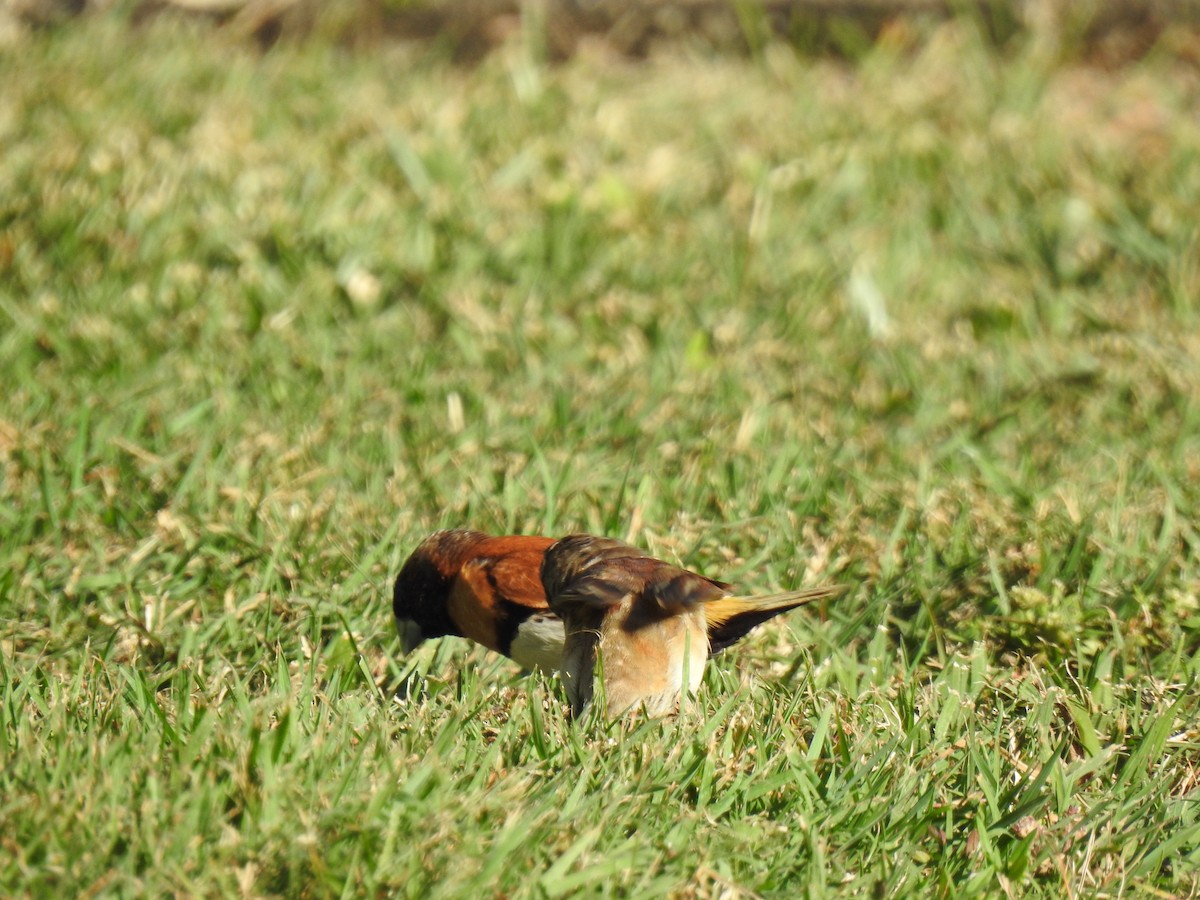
[410,635]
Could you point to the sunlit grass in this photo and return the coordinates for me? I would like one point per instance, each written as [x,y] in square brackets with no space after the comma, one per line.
[927,326]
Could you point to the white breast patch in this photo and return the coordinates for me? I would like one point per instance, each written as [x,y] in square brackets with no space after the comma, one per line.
[538,643]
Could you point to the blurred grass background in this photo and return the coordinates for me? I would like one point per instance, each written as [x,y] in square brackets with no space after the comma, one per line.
[916,312]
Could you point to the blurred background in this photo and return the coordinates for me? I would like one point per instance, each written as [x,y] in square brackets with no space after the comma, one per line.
[1107,32]
[899,294]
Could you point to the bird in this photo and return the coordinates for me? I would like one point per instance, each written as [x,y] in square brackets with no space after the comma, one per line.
[652,625]
[465,583]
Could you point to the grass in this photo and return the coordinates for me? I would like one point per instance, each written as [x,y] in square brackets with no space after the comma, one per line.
[927,325]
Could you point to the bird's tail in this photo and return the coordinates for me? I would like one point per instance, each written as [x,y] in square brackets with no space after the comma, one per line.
[730,618]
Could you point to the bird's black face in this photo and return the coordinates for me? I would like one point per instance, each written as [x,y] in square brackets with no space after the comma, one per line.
[419,597]
[406,597]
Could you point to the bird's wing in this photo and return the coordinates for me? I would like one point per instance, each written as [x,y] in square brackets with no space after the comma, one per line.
[583,569]
[507,569]
[676,590]
[601,572]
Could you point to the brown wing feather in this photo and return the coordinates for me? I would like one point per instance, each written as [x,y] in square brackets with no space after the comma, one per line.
[578,570]
[600,572]
[676,590]
[510,567]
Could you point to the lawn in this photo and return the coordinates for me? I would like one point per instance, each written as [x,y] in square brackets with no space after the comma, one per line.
[925,323]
